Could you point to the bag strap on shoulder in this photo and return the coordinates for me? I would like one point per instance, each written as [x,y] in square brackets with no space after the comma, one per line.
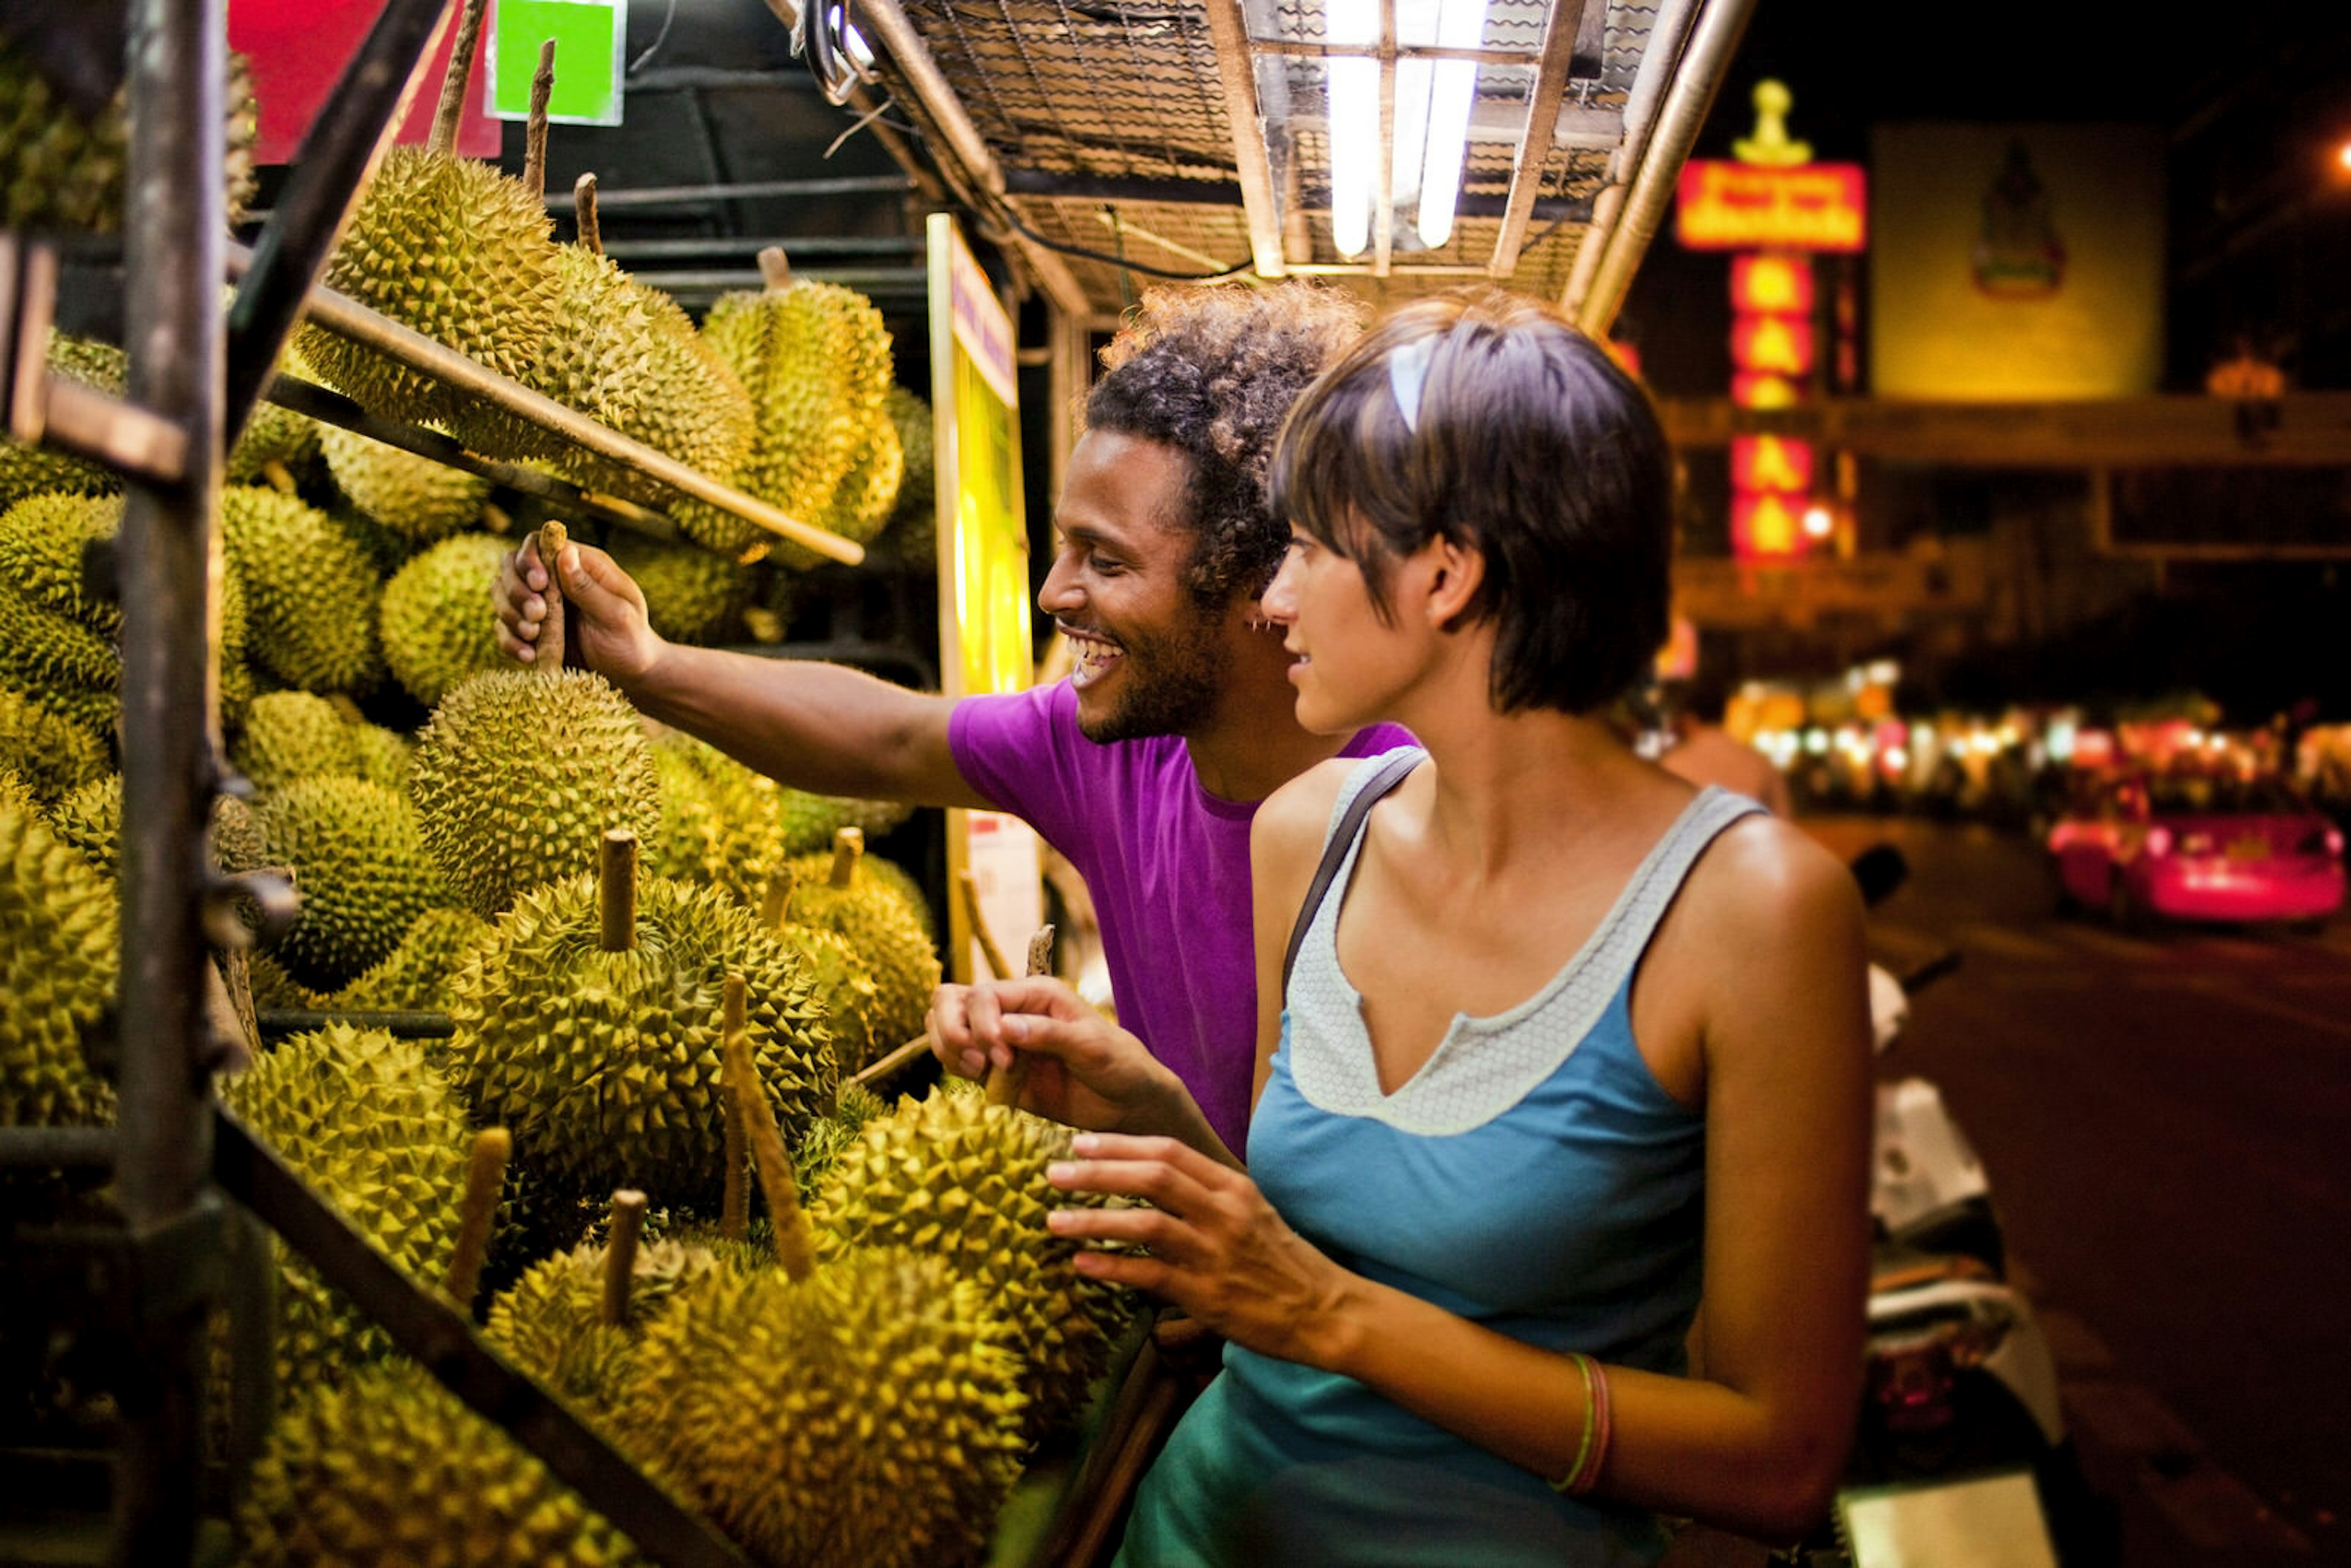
[1383,778]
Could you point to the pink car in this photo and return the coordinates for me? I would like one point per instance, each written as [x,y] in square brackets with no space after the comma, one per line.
[2198,847]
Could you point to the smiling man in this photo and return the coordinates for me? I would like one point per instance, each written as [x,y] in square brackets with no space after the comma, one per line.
[1143,767]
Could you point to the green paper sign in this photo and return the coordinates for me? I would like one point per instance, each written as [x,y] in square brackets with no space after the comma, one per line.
[589,35]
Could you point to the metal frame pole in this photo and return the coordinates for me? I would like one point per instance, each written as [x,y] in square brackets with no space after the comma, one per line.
[173,231]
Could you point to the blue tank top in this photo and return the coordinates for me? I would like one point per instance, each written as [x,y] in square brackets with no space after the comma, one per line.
[1532,1176]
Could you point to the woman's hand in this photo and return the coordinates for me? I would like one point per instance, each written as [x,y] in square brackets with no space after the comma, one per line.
[1217,1248]
[1075,1065]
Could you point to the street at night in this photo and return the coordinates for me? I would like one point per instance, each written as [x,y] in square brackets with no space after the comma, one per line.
[2162,1114]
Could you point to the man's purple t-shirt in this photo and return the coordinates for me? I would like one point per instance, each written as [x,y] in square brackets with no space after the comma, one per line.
[1168,866]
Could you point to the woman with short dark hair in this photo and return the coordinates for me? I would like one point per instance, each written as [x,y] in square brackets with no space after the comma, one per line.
[1549,1040]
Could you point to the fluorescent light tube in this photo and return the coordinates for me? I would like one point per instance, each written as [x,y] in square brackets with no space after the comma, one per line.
[1461,25]
[1355,123]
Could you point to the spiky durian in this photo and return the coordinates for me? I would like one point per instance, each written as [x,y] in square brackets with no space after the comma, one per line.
[390,1471]
[718,821]
[690,405]
[862,502]
[309,591]
[272,987]
[34,470]
[415,977]
[455,250]
[63,166]
[438,627]
[834,891]
[816,360]
[691,594]
[89,817]
[551,1321]
[57,965]
[383,756]
[821,1144]
[415,497]
[810,822]
[370,1125]
[295,734]
[360,869]
[868,1415]
[911,536]
[959,1178]
[519,775]
[844,983]
[51,755]
[606,1064]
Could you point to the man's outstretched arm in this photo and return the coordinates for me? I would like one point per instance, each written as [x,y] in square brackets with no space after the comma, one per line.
[814,727]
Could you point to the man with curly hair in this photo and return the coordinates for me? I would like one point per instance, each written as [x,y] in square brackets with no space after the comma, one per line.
[1144,767]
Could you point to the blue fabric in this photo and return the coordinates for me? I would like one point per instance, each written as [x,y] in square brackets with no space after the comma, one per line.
[1571,1220]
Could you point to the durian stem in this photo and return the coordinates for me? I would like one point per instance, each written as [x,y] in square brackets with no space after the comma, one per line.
[795,1244]
[486,1174]
[280,477]
[775,267]
[777,909]
[616,891]
[735,1205]
[988,950]
[554,636]
[584,208]
[451,106]
[533,156]
[1004,1084]
[620,1255]
[848,848]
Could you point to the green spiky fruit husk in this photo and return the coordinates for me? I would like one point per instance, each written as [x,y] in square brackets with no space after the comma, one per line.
[860,503]
[415,497]
[455,250]
[61,169]
[415,977]
[821,1144]
[50,754]
[361,868]
[383,756]
[910,539]
[551,1322]
[867,1415]
[688,404]
[520,774]
[392,1472]
[606,1065]
[437,624]
[891,874]
[310,591]
[811,820]
[845,984]
[36,470]
[370,1125]
[718,822]
[58,964]
[883,930]
[691,594]
[815,361]
[295,734]
[957,1178]
[89,817]
[272,987]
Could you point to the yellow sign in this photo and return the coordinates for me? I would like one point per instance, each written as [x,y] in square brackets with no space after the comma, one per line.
[1724,205]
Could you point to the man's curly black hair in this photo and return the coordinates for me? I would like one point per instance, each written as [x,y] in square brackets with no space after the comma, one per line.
[1212,373]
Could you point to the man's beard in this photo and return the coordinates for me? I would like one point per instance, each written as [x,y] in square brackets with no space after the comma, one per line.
[1170,687]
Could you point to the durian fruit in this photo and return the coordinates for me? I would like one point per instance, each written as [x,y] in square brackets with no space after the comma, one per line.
[391,1470]
[821,1144]
[519,774]
[310,592]
[49,755]
[816,360]
[844,983]
[596,1037]
[573,1321]
[718,821]
[35,470]
[59,960]
[273,988]
[383,756]
[89,817]
[289,735]
[911,536]
[810,822]
[875,920]
[63,168]
[963,1180]
[373,1126]
[863,501]
[419,500]
[437,624]
[361,868]
[868,1415]
[691,594]
[415,977]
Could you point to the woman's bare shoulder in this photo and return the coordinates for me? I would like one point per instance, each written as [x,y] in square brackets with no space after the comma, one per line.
[1764,873]
[1298,814]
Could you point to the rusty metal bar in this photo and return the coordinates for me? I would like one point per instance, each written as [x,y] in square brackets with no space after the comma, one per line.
[174,222]
[1660,58]
[1564,39]
[1237,71]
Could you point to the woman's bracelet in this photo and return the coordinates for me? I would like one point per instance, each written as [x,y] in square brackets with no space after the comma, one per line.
[1594,1446]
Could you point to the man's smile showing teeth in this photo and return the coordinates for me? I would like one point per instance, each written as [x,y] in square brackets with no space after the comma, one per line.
[1092,656]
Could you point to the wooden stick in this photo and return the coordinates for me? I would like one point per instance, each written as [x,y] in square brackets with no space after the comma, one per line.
[616,891]
[777,908]
[1004,1084]
[795,1243]
[620,1255]
[735,1205]
[451,106]
[886,1067]
[848,849]
[486,1174]
[553,634]
[775,267]
[969,888]
[533,156]
[583,209]
[280,477]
